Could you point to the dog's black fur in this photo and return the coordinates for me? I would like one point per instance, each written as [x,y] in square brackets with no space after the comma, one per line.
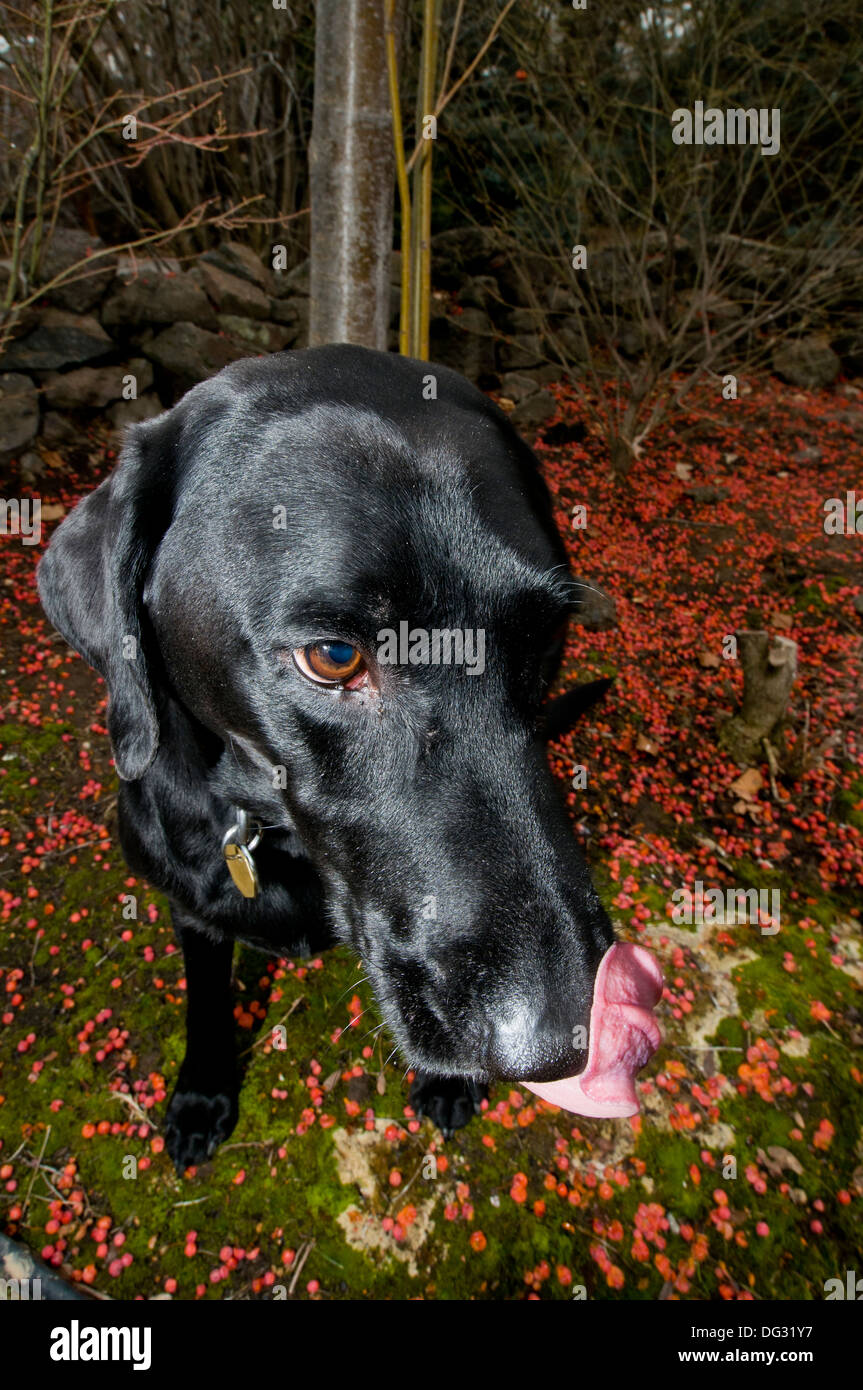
[419,821]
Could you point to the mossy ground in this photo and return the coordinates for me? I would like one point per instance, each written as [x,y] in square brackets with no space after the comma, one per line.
[742,1178]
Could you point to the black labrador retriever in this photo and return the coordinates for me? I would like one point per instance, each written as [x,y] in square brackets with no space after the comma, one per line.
[327,595]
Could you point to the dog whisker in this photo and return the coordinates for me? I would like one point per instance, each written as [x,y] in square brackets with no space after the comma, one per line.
[377,1028]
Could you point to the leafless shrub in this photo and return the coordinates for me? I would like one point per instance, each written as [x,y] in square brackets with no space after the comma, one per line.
[112,116]
[698,258]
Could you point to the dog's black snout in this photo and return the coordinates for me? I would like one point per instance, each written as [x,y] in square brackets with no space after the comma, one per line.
[525,1049]
[506,1001]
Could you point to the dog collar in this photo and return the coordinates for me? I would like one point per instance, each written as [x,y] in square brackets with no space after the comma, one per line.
[238,846]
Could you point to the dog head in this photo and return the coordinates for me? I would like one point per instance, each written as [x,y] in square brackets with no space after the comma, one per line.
[343,564]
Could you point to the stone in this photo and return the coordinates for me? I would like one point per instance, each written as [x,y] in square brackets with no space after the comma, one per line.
[190,353]
[562,300]
[848,345]
[302,338]
[125,413]
[93,387]
[522,320]
[31,467]
[464,342]
[717,307]
[130,267]
[22,319]
[547,375]
[261,337]
[517,386]
[66,247]
[525,276]
[236,258]
[57,429]
[569,336]
[292,314]
[60,339]
[142,371]
[155,297]
[293,282]
[460,252]
[480,292]
[19,413]
[809,363]
[534,411]
[288,312]
[521,351]
[231,295]
[631,339]
[615,276]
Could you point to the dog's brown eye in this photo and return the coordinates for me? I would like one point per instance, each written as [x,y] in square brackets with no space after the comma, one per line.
[329,663]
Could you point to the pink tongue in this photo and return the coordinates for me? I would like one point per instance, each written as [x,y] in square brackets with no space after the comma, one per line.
[623,1036]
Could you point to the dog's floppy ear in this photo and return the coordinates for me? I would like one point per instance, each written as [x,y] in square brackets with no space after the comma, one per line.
[561,713]
[91,582]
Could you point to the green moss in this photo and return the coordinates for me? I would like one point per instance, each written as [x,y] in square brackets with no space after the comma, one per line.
[272,1188]
[849,804]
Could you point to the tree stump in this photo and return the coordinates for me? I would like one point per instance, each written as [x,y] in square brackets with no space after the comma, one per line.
[769,671]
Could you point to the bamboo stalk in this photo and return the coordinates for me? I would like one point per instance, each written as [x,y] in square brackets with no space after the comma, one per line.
[402,181]
[421,240]
[444,100]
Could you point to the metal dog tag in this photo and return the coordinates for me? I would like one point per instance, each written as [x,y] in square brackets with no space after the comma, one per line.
[238,856]
[241,867]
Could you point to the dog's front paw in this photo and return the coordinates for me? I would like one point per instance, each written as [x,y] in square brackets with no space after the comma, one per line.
[448,1101]
[196,1124]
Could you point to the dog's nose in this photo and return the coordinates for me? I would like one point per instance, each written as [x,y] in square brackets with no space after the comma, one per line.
[525,1047]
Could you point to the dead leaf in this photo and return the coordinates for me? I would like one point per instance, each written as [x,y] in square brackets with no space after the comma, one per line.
[785,1158]
[52,511]
[747,785]
[706,842]
[777,1159]
[684,471]
[709,660]
[381,1084]
[51,457]
[647,745]
[783,622]
[506,404]
[331,1081]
